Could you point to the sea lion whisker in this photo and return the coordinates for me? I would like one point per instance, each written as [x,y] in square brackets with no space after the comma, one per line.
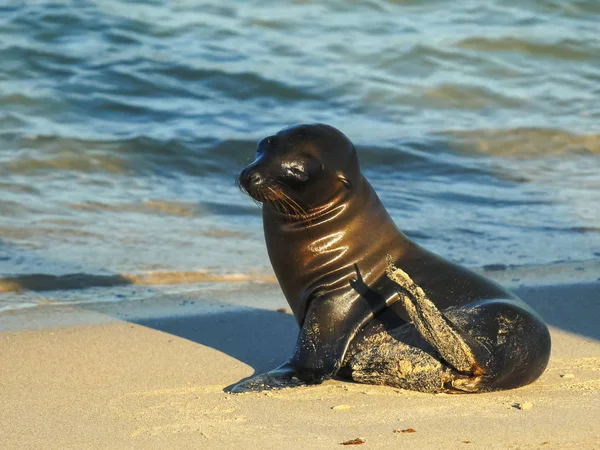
[300,211]
[281,207]
[277,203]
[294,207]
[274,202]
[290,206]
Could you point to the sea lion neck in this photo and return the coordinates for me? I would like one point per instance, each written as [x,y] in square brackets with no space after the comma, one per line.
[317,256]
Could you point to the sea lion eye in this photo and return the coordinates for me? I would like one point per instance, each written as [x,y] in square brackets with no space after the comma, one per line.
[296,172]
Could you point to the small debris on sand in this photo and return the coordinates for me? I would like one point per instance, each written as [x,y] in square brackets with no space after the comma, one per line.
[407,430]
[523,406]
[356,441]
[341,407]
[283,310]
[567,375]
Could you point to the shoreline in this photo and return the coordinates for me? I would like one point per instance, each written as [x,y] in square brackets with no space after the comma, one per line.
[91,290]
[79,377]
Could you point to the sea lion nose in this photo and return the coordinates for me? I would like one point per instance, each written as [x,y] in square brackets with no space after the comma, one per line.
[250,178]
[255,179]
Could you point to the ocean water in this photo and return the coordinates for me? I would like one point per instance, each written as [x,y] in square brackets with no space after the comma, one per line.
[123,125]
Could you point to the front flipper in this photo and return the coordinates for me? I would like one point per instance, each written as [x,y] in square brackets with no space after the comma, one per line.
[465,355]
[283,377]
[330,324]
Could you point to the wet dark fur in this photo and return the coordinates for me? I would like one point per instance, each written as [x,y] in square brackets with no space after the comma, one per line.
[415,321]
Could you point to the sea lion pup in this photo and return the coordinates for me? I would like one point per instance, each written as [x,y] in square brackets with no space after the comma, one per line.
[372,305]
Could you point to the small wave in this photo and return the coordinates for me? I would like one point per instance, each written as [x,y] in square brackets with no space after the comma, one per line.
[18,188]
[524,142]
[77,162]
[585,229]
[238,85]
[568,49]
[45,282]
[12,208]
[140,155]
[554,273]
[172,208]
[180,209]
[474,199]
[26,233]
[404,154]
[416,158]
[470,97]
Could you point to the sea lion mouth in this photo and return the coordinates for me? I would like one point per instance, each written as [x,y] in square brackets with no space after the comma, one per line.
[271,192]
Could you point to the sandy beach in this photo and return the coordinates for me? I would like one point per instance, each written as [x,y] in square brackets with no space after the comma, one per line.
[125,376]
[135,283]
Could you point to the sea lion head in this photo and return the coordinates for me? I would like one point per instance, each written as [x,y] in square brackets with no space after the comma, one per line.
[301,169]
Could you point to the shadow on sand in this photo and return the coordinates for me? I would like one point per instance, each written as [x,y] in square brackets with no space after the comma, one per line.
[260,338]
[264,339]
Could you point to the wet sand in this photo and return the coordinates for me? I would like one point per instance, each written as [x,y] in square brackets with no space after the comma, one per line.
[111,377]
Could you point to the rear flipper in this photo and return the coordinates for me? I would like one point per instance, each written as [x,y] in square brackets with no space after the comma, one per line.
[458,368]
[383,359]
[466,357]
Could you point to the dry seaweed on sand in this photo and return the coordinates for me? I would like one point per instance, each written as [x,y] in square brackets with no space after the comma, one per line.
[356,441]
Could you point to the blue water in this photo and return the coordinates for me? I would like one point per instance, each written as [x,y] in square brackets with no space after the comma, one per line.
[123,125]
